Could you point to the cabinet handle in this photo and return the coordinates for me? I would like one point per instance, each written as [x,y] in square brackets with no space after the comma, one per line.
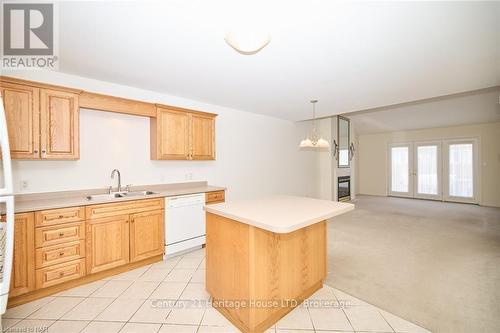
[60,216]
[61,273]
[35,151]
[61,234]
[61,254]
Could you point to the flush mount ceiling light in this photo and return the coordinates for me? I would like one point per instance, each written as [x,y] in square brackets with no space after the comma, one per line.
[314,139]
[246,42]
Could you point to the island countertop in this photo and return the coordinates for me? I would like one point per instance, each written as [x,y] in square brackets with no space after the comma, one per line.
[280,213]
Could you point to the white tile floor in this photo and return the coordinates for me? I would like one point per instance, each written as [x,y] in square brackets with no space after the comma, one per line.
[159,298]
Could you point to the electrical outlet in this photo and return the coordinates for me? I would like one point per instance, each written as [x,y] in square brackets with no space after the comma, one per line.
[25,184]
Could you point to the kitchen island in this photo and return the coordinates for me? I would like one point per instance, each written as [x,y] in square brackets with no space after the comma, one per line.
[265,256]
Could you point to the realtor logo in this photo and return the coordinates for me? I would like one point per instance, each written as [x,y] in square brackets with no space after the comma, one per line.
[28,36]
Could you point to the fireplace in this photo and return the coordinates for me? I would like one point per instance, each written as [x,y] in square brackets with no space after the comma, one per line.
[344,188]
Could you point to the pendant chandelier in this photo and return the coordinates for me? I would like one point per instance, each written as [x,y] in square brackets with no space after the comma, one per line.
[314,139]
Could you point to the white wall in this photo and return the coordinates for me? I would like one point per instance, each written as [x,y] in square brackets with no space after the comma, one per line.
[324,163]
[373,157]
[256,155]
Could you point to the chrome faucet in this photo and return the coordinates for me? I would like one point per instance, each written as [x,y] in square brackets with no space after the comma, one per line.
[119,179]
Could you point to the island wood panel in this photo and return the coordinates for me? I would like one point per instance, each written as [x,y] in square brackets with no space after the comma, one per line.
[23,263]
[286,267]
[228,264]
[59,125]
[249,263]
[96,101]
[21,104]
[147,237]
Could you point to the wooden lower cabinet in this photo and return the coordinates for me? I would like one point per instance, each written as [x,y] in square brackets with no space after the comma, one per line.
[57,274]
[56,249]
[23,268]
[107,243]
[215,197]
[146,235]
[57,254]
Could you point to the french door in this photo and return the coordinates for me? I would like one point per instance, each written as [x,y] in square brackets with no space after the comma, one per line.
[427,170]
[438,170]
[461,170]
[401,170]
[415,170]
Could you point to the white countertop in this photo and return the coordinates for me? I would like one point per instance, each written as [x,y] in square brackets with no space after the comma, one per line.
[280,213]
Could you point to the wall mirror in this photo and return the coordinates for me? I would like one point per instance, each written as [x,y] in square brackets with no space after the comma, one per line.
[343,139]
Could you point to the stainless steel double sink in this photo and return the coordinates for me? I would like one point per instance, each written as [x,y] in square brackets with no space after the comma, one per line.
[116,195]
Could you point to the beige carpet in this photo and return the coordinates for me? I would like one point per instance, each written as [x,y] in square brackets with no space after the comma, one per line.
[435,264]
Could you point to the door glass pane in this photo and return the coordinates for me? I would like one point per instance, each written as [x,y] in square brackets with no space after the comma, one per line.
[461,181]
[427,165]
[399,169]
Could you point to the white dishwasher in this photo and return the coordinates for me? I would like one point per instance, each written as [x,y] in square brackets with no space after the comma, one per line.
[184,222]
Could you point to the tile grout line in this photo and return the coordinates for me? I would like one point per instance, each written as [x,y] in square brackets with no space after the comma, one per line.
[343,311]
[83,298]
[380,313]
[310,318]
[133,281]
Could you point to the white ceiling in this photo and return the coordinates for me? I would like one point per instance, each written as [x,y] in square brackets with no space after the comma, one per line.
[462,109]
[349,55]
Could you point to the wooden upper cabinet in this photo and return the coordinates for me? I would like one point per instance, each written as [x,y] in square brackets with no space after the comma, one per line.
[170,135]
[59,125]
[202,136]
[21,105]
[23,263]
[146,235]
[180,134]
[43,120]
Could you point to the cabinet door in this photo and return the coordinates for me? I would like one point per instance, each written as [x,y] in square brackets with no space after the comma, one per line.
[59,125]
[107,243]
[202,137]
[146,235]
[23,267]
[171,135]
[21,105]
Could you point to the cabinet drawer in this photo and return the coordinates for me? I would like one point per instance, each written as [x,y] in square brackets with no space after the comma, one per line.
[214,197]
[50,276]
[47,236]
[121,208]
[58,216]
[57,254]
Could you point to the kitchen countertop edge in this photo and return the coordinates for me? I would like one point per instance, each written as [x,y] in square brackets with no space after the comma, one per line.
[218,209]
[67,199]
